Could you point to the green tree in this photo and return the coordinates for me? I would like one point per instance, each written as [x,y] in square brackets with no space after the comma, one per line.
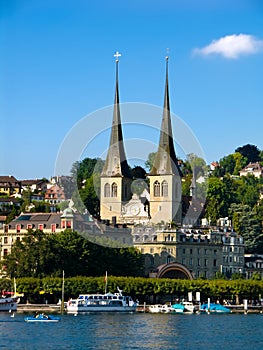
[39,255]
[251,152]
[150,160]
[197,165]
[247,224]
[248,190]
[216,194]
[230,164]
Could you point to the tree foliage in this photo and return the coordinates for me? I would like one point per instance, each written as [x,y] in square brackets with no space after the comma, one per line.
[137,287]
[250,152]
[40,255]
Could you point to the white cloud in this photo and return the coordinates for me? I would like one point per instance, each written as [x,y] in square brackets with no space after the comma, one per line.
[232,46]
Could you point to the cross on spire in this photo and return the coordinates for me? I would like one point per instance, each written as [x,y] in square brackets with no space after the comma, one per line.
[117,55]
[167,53]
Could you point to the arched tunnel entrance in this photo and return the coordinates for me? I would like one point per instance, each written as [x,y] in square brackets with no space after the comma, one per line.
[174,270]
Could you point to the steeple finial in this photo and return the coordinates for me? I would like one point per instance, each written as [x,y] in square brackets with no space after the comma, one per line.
[167,54]
[117,55]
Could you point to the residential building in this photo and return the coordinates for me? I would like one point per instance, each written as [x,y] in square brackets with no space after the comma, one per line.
[253,264]
[9,185]
[54,195]
[252,168]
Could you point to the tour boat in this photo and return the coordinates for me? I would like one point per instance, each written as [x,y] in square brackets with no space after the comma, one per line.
[8,303]
[107,302]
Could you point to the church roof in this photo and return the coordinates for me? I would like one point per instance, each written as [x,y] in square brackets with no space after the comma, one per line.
[165,161]
[116,163]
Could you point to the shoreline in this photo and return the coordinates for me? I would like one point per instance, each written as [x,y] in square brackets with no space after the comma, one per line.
[54,308]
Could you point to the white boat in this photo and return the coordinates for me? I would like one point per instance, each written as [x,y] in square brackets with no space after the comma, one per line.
[189,306]
[156,308]
[107,302]
[8,303]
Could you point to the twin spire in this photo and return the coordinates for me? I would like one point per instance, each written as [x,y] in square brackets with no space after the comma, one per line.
[165,161]
[116,162]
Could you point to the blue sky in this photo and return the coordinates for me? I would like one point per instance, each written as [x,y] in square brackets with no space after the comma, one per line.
[58,70]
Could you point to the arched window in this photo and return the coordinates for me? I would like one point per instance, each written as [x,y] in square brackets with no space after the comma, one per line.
[156,189]
[164,188]
[114,190]
[107,190]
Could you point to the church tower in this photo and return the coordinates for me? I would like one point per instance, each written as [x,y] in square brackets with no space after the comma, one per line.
[165,176]
[115,176]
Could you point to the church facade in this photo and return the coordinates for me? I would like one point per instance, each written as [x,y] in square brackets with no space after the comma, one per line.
[162,202]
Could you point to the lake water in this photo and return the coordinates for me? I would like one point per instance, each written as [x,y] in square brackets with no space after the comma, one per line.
[134,331]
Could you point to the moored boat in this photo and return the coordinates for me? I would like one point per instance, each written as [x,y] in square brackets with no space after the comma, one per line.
[8,303]
[107,302]
[189,306]
[177,308]
[156,308]
[42,318]
[214,308]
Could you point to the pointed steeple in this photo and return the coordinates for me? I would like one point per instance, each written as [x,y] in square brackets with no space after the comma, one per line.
[116,162]
[193,186]
[165,161]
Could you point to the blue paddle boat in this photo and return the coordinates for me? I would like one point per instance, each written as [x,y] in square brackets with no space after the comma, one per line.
[42,318]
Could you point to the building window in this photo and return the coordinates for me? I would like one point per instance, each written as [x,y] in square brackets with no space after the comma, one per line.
[151,250]
[41,227]
[183,250]
[107,190]
[198,262]
[205,262]
[5,240]
[6,228]
[29,226]
[214,262]
[18,238]
[53,228]
[198,251]
[164,188]
[191,251]
[114,190]
[156,189]
[69,224]
[5,252]
[191,261]
[18,228]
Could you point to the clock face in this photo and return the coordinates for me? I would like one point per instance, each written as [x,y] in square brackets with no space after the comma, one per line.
[134,210]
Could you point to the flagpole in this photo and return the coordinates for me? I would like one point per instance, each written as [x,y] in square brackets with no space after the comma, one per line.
[106,282]
[62,292]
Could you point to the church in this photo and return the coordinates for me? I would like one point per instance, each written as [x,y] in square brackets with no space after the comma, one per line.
[161,200]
